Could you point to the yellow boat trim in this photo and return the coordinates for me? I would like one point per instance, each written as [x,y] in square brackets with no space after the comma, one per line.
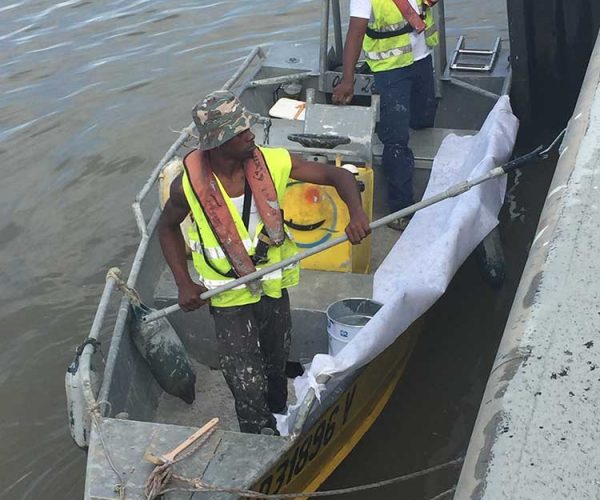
[366,424]
[311,472]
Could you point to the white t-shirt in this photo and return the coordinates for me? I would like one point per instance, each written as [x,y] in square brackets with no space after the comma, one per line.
[362,9]
[238,203]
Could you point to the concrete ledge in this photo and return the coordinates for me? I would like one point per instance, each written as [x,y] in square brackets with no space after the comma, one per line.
[537,431]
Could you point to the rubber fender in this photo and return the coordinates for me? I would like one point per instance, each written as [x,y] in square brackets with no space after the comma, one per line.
[490,258]
[169,173]
[162,349]
[80,420]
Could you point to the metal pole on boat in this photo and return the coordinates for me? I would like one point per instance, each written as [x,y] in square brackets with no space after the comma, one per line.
[324,44]
[451,192]
[439,54]
[337,31]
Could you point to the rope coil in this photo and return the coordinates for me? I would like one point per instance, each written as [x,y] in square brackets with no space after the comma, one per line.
[114,273]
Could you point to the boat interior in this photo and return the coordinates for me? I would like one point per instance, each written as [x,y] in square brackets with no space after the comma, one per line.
[305,73]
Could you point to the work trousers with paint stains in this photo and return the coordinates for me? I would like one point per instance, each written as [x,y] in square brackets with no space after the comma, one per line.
[254,343]
[407,100]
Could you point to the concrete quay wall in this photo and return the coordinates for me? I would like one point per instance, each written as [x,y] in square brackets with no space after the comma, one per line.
[537,433]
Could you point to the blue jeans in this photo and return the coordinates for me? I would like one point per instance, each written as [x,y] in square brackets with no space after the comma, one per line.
[407,100]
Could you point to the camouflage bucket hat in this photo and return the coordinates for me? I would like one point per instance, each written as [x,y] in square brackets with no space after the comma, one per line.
[220,116]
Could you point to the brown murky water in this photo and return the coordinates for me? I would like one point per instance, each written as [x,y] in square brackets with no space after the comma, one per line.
[92,93]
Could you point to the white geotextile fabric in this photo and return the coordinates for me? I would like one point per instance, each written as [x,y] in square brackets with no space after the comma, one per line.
[421,264]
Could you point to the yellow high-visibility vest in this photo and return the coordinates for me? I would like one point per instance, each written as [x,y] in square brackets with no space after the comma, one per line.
[206,246]
[395,52]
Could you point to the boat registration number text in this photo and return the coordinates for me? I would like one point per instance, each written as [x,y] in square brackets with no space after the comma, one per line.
[310,446]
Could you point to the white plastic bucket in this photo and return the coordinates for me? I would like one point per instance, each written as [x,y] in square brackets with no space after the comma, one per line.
[345,318]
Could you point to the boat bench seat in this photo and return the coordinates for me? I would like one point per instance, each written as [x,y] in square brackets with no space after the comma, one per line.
[278,132]
[226,459]
[425,144]
[309,300]
[325,287]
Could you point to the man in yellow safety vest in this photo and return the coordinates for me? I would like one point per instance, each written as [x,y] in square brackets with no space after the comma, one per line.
[233,190]
[397,37]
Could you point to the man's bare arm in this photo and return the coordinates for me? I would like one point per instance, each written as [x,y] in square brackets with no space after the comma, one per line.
[344,91]
[173,246]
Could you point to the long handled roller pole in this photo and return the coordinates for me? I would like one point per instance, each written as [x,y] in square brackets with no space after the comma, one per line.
[457,189]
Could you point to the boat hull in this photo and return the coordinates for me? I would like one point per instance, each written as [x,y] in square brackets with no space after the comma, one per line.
[324,444]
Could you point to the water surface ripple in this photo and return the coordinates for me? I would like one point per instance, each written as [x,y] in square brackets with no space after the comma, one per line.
[91,94]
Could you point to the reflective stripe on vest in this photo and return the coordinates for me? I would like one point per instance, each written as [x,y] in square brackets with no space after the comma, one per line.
[209,193]
[211,284]
[395,52]
[393,27]
[278,162]
[380,56]
[217,253]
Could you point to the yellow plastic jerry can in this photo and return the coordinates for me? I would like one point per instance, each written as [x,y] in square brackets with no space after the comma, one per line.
[315,214]
[169,173]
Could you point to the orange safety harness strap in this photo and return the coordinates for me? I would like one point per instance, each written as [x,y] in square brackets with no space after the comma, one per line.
[265,196]
[209,195]
[411,15]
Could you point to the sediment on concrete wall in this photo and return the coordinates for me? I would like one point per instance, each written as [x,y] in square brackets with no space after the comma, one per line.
[537,426]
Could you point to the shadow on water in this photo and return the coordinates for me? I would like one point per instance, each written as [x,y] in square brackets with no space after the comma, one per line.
[430,416]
